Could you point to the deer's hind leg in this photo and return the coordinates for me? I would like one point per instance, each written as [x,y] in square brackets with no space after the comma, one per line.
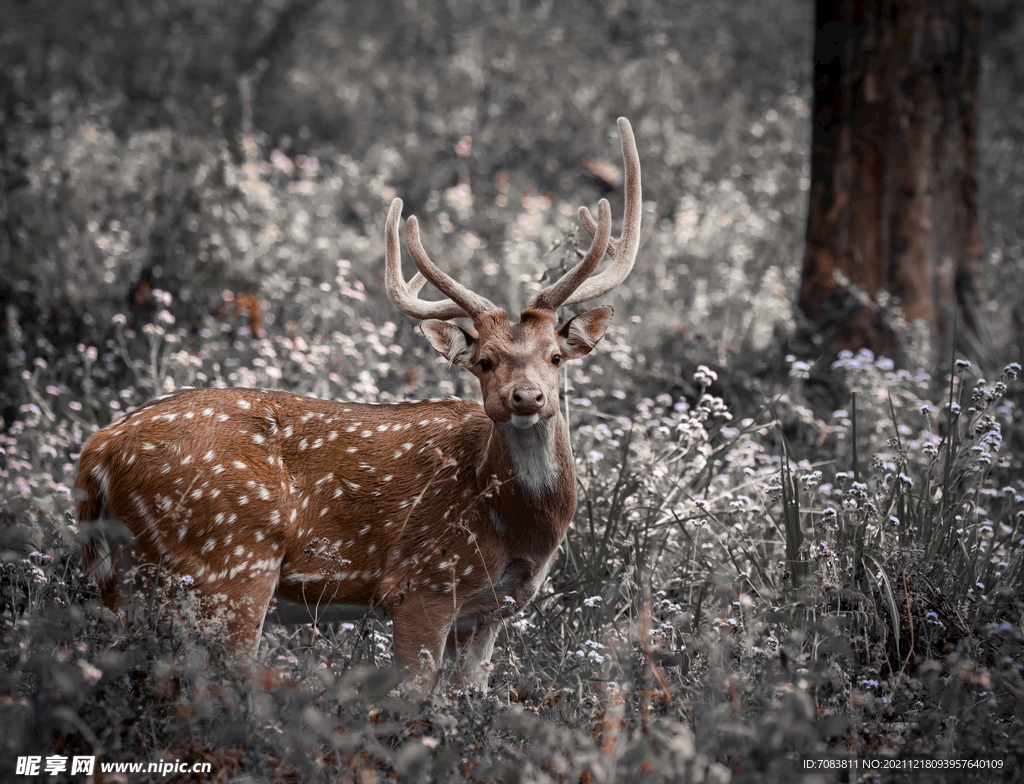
[230,605]
[234,608]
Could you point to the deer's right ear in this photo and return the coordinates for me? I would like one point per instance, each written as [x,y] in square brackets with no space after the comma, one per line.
[450,341]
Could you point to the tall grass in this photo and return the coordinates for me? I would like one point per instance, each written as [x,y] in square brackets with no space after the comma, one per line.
[733,590]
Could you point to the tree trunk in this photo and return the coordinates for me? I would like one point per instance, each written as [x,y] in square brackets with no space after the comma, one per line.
[892,228]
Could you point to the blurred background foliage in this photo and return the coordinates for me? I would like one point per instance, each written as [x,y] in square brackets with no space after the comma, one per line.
[132,156]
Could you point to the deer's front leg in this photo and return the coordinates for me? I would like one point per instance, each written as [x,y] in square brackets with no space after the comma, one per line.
[421,625]
[471,643]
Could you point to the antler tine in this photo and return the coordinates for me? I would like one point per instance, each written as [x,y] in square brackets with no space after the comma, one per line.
[554,295]
[405,294]
[622,250]
[470,302]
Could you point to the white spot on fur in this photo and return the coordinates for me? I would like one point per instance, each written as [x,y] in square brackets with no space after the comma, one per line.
[142,509]
[100,473]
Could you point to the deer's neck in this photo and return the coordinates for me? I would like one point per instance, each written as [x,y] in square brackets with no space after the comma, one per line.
[537,457]
[528,480]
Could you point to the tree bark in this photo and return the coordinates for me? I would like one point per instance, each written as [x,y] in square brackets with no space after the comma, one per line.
[892,230]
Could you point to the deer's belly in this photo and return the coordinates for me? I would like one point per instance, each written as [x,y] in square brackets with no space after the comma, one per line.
[291,612]
[343,597]
[319,589]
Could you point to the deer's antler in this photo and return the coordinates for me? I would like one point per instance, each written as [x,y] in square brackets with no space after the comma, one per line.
[405,294]
[622,250]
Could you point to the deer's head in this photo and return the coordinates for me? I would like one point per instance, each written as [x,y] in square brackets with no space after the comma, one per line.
[518,364]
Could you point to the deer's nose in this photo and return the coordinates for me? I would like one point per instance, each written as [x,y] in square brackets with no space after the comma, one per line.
[527,400]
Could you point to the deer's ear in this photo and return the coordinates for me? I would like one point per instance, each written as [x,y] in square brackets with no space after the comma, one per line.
[581,333]
[450,341]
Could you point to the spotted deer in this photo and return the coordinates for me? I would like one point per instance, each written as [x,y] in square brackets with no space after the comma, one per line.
[445,514]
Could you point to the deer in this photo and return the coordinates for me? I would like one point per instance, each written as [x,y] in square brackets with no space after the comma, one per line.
[445,514]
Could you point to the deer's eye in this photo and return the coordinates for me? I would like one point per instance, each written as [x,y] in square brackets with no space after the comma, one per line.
[484,365]
[556,360]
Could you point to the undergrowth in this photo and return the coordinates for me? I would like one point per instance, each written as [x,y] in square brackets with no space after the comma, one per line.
[725,600]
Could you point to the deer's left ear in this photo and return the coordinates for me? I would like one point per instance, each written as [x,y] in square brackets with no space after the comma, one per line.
[450,341]
[581,333]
